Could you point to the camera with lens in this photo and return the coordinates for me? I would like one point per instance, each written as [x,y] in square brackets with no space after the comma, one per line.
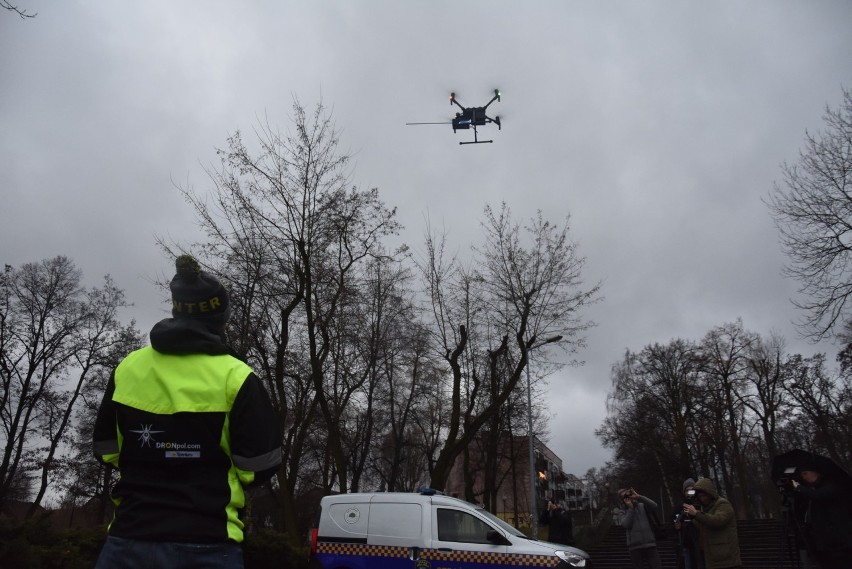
[786,476]
[681,518]
[785,482]
[691,500]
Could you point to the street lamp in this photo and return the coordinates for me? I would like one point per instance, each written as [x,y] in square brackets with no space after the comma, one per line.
[533,508]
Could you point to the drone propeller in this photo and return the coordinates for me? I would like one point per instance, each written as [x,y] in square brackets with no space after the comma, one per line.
[444,122]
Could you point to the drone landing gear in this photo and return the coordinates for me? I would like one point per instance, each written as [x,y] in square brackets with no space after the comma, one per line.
[475,139]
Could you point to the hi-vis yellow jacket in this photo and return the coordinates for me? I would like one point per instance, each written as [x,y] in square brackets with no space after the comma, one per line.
[187,432]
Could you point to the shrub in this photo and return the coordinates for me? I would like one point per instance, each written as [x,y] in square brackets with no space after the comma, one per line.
[269,549]
[36,544]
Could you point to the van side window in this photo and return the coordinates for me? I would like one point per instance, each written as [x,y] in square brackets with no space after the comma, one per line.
[455,525]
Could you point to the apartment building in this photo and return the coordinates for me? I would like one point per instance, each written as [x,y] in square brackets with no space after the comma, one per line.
[495,473]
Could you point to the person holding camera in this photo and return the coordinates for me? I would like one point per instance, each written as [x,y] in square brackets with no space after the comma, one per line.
[717,526]
[687,532]
[827,517]
[558,519]
[636,512]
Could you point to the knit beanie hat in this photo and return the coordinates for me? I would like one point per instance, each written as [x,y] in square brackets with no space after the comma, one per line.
[687,483]
[198,294]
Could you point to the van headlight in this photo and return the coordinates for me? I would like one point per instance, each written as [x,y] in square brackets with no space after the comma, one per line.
[572,558]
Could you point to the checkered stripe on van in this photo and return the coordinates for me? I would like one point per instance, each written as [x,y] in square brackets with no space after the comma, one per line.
[481,557]
[489,558]
[362,549]
[533,560]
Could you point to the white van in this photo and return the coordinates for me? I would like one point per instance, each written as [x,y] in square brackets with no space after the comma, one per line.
[425,530]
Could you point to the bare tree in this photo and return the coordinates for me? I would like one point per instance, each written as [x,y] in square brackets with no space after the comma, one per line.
[726,351]
[54,336]
[524,286]
[80,478]
[650,412]
[408,401]
[813,213]
[432,421]
[394,348]
[5,4]
[823,404]
[291,235]
[767,383]
[723,408]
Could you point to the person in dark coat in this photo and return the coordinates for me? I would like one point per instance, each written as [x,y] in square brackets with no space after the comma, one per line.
[560,523]
[635,517]
[687,532]
[827,517]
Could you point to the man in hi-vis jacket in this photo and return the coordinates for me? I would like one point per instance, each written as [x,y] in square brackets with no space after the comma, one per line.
[188,426]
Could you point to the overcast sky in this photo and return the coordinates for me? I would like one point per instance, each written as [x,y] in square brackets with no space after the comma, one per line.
[658,126]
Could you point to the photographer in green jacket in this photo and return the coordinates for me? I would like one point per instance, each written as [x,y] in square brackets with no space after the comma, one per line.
[717,526]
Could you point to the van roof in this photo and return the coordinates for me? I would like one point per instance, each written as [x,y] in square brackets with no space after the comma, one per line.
[401,497]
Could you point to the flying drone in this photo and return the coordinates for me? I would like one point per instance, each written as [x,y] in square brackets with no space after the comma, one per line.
[470,117]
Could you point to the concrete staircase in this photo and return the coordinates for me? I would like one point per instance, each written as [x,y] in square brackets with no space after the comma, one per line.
[763,545]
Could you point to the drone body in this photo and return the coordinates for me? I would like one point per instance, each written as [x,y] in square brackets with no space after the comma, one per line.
[471,117]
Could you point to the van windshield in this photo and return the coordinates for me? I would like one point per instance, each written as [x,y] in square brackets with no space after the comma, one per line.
[502,524]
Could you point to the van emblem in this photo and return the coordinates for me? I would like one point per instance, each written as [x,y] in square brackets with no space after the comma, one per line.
[352,516]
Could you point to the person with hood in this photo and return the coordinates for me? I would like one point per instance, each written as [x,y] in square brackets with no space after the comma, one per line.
[635,517]
[827,516]
[558,519]
[687,532]
[188,426]
[717,526]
